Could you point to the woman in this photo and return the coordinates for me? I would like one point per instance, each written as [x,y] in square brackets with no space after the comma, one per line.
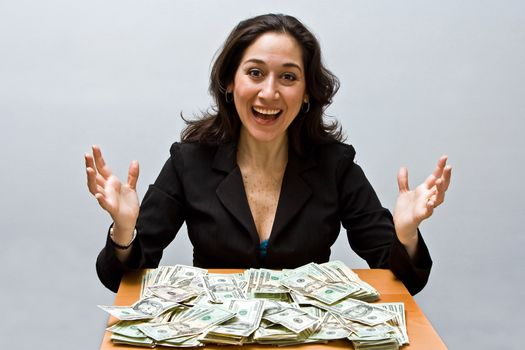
[263,181]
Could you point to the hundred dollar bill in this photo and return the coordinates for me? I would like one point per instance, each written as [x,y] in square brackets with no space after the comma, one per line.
[246,321]
[319,272]
[146,308]
[339,271]
[361,311]
[310,286]
[379,344]
[127,329]
[332,293]
[330,329]
[273,333]
[161,273]
[146,281]
[183,342]
[279,335]
[121,339]
[399,321]
[343,273]
[302,283]
[293,319]
[226,339]
[197,320]
[274,306]
[263,281]
[221,287]
[182,271]
[179,292]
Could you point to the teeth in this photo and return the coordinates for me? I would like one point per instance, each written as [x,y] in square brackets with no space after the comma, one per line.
[266,111]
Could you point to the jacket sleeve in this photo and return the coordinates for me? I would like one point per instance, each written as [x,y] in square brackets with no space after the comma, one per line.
[371,232]
[161,216]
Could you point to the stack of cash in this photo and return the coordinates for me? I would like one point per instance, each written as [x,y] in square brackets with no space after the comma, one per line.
[184,306]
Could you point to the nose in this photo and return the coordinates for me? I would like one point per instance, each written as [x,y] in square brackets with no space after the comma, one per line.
[269,89]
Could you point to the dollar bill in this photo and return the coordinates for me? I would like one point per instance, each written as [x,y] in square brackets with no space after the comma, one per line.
[330,328]
[127,328]
[248,314]
[146,308]
[361,311]
[220,287]
[264,281]
[179,272]
[399,321]
[122,339]
[310,286]
[178,293]
[342,273]
[196,321]
[293,319]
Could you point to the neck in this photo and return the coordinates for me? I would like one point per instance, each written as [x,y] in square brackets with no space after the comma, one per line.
[272,155]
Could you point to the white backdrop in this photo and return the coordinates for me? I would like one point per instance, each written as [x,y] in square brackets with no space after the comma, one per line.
[419,79]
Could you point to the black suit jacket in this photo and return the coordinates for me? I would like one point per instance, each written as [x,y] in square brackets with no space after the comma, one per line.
[202,185]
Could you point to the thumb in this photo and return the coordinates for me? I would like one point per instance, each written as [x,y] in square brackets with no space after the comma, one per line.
[402,179]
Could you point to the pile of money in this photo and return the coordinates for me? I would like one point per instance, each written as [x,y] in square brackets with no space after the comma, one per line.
[185,306]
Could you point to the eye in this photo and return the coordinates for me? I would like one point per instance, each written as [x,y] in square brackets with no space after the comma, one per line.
[289,76]
[255,73]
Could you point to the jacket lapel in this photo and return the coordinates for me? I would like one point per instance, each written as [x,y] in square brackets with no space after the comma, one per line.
[294,192]
[231,191]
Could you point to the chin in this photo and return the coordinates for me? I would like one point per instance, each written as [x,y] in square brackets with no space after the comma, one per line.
[264,136]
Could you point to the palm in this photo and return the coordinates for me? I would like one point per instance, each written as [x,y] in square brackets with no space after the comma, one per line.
[414,206]
[411,206]
[122,200]
[118,199]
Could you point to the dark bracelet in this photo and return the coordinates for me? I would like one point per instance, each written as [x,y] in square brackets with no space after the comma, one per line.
[119,246]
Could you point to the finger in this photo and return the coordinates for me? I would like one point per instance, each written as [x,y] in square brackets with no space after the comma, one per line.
[100,180]
[447,174]
[101,190]
[133,174]
[442,162]
[91,180]
[431,204]
[433,200]
[101,166]
[402,179]
[439,193]
[90,163]
[430,181]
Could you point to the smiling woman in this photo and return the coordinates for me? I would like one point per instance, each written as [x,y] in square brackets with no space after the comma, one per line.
[263,181]
[269,88]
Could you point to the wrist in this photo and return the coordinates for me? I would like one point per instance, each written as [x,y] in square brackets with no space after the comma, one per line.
[122,238]
[124,228]
[408,236]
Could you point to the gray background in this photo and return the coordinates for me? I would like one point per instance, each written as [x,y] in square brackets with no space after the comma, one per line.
[419,79]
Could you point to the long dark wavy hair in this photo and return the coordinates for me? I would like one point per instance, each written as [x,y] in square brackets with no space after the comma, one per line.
[222,123]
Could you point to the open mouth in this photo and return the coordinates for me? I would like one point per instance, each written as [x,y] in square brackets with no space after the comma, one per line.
[266,113]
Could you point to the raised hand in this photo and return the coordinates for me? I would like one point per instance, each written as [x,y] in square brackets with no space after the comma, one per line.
[118,199]
[414,206]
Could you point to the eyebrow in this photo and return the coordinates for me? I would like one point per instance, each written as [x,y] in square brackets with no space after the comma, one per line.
[288,64]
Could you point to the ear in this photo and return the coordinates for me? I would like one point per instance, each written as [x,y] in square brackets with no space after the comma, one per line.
[229,88]
[306,98]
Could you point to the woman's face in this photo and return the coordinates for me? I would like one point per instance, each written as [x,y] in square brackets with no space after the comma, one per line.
[269,86]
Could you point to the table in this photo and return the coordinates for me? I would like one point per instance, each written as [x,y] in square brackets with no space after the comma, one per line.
[420,332]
